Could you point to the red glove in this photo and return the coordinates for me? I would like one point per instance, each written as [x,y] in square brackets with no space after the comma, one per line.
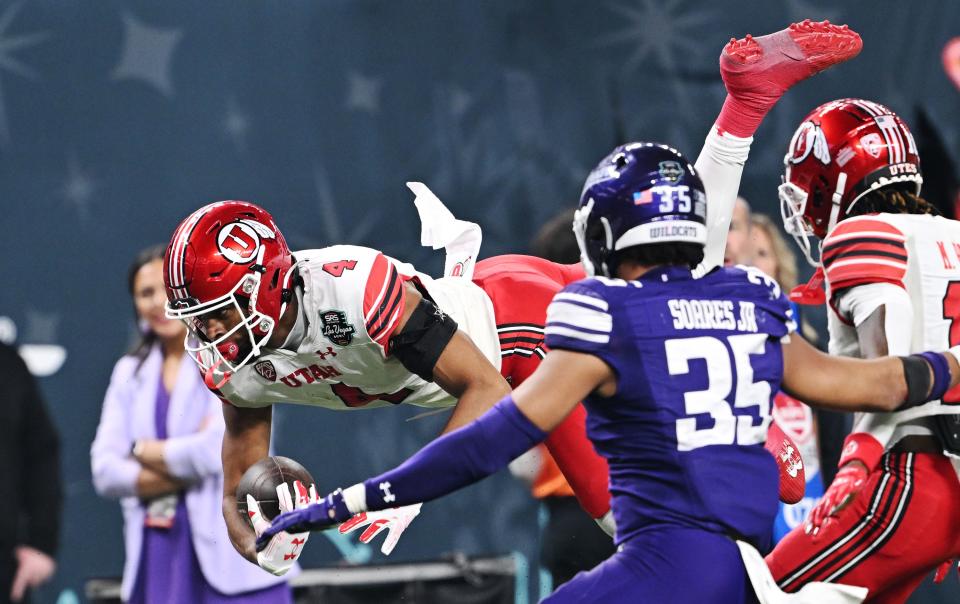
[793,478]
[861,454]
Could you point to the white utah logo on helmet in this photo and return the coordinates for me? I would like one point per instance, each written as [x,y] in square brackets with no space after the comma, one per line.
[809,138]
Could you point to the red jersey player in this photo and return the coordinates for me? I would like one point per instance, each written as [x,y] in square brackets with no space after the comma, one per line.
[892,270]
[346,327]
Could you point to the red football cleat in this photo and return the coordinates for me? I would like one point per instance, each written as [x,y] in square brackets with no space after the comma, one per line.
[793,479]
[757,71]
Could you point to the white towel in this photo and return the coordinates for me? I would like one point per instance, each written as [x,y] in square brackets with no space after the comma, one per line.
[768,592]
[440,229]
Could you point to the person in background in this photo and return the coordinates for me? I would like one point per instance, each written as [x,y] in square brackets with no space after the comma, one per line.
[773,256]
[32,487]
[157,449]
[571,540]
[739,249]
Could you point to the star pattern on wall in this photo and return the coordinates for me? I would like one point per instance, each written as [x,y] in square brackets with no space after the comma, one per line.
[79,187]
[363,93]
[147,54]
[660,29]
[333,228]
[9,44]
[235,125]
[667,33]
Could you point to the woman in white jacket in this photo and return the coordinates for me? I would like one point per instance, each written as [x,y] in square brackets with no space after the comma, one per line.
[157,449]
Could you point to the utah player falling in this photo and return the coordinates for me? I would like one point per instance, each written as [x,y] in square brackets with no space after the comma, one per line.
[678,376]
[346,327]
[892,271]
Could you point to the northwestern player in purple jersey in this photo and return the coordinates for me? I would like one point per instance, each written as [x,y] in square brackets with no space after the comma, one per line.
[677,375]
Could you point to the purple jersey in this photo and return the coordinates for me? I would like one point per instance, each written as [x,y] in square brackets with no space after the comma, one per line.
[697,363]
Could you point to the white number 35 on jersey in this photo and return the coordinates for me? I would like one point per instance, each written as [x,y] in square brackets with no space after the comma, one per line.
[721,363]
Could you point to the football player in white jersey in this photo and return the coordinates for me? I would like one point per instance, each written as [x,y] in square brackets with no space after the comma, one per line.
[345,326]
[892,271]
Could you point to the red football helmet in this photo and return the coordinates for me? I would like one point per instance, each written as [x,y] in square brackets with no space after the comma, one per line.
[227,254]
[841,151]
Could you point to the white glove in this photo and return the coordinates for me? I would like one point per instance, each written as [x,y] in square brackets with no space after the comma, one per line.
[394,520]
[284,548]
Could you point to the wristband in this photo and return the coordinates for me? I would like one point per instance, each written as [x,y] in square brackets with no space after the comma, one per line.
[916,374]
[941,374]
[861,447]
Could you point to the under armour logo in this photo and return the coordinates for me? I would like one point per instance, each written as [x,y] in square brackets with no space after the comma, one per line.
[387,495]
[298,541]
[329,352]
[795,465]
[439,314]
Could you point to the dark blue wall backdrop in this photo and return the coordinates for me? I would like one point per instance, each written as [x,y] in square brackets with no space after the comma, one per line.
[119,118]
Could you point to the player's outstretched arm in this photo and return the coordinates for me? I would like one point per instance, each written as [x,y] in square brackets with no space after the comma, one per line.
[464,372]
[882,384]
[428,343]
[756,72]
[470,453]
[246,440]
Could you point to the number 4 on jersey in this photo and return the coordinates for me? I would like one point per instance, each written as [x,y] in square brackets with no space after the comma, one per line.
[336,268]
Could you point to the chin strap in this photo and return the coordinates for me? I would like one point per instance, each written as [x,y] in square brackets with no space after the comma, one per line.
[810,293]
[229,352]
[209,379]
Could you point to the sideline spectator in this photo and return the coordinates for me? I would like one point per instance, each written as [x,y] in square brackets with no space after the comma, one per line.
[739,249]
[30,477]
[772,255]
[157,449]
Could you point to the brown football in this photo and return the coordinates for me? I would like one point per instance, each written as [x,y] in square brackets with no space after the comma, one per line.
[261,481]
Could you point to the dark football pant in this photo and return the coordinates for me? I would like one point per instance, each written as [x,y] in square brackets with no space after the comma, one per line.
[665,565]
[903,523]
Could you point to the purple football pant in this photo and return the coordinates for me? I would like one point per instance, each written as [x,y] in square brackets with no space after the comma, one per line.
[665,565]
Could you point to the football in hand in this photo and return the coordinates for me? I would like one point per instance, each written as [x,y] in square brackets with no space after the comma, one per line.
[261,481]
[793,479]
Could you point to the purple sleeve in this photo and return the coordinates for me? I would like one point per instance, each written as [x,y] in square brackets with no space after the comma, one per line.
[457,459]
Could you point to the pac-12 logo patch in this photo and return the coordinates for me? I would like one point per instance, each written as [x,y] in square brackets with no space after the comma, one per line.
[335,327]
[873,144]
[266,370]
[239,242]
[671,170]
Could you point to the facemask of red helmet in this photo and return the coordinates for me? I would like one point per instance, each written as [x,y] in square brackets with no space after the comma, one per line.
[842,150]
[227,256]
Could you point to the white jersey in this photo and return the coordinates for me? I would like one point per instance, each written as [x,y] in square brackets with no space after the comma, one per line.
[351,303]
[871,261]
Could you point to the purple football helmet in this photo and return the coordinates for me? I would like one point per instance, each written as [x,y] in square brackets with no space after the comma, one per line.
[640,194]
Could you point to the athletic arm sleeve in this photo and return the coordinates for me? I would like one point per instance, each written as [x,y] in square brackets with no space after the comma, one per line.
[720,165]
[455,460]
